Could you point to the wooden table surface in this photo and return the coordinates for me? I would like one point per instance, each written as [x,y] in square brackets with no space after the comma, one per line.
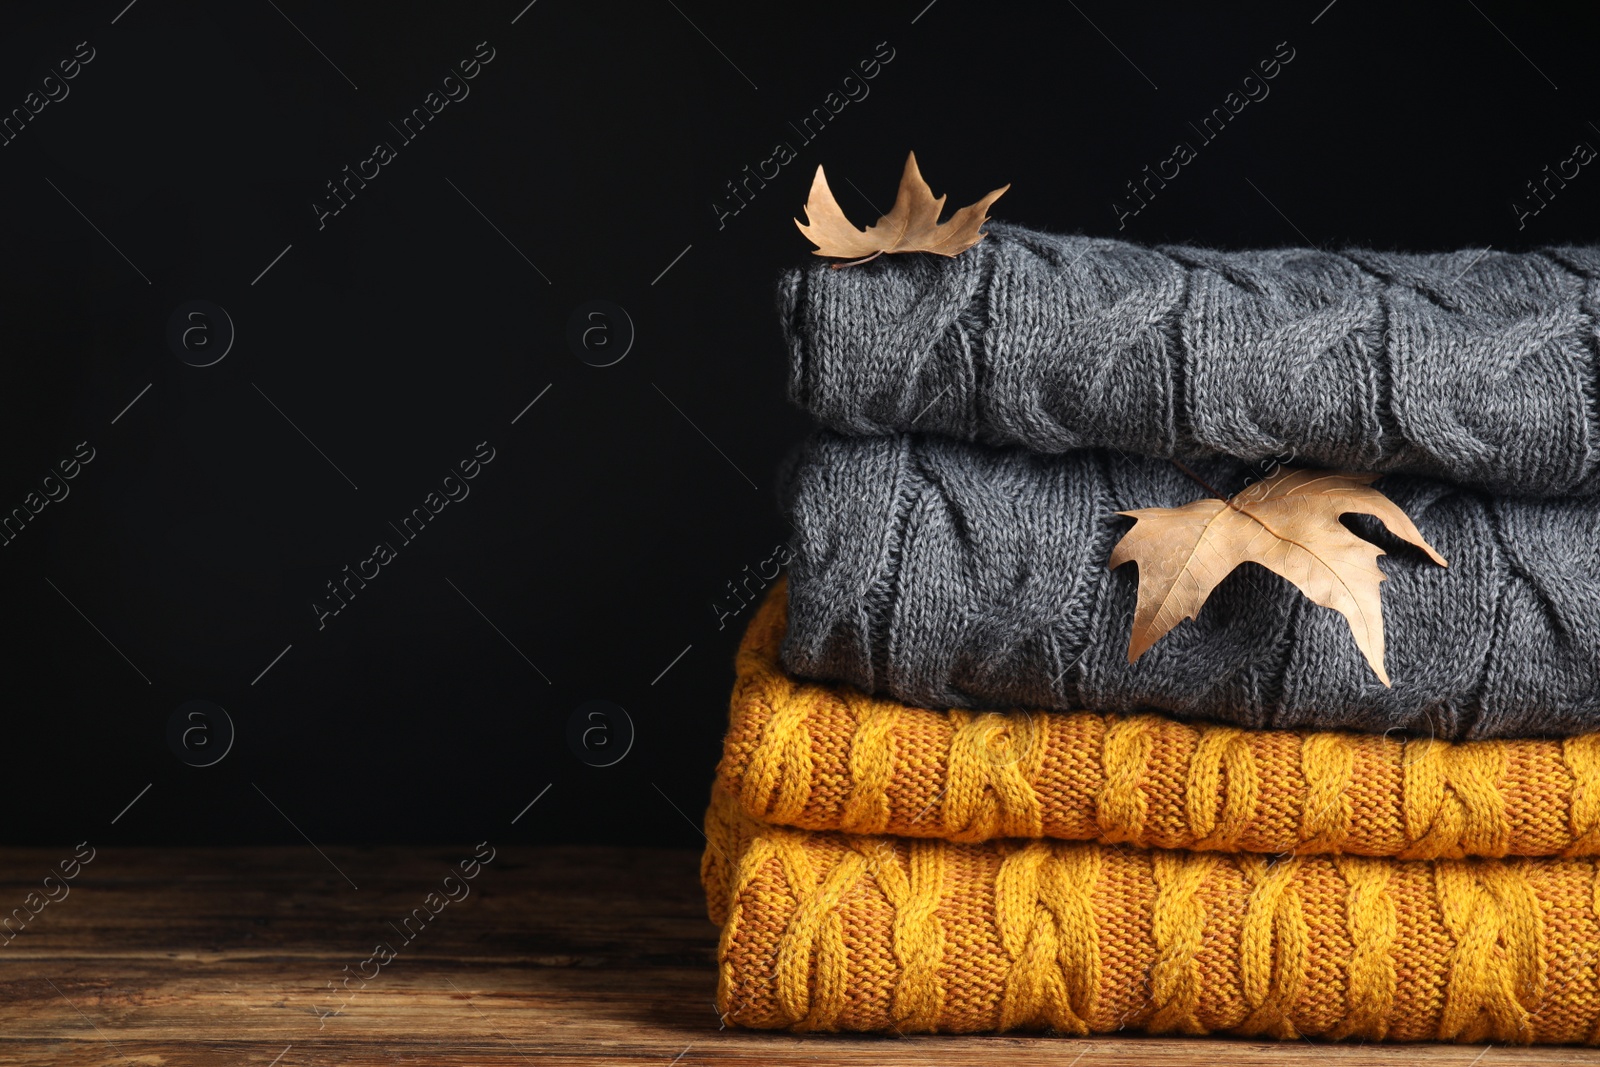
[568,955]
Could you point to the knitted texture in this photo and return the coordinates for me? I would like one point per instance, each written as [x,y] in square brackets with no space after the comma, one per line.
[1477,366]
[823,756]
[948,575]
[839,932]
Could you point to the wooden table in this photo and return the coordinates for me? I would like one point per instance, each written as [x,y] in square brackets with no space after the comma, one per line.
[567,955]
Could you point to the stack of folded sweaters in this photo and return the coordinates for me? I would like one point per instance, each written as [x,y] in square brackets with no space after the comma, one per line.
[948,802]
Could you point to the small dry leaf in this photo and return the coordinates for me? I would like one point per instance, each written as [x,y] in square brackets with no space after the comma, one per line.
[912,225]
[1289,524]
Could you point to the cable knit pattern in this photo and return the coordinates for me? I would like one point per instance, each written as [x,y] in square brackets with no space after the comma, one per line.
[957,575]
[1476,366]
[1088,938]
[822,756]
[947,803]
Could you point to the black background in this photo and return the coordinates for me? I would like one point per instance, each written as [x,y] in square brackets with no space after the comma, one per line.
[407,330]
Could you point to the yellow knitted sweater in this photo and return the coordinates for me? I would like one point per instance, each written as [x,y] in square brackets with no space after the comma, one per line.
[831,931]
[827,757]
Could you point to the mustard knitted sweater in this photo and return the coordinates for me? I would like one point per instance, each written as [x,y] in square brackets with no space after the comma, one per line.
[825,756]
[827,931]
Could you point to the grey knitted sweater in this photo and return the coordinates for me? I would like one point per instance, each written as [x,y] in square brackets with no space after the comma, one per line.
[1475,366]
[950,574]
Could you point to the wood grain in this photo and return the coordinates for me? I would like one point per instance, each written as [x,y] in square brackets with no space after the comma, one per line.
[570,955]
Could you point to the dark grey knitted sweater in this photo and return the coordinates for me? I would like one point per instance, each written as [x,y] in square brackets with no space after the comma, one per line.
[1479,367]
[949,574]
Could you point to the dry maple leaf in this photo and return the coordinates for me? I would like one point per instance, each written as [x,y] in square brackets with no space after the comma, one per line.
[912,225]
[1289,524]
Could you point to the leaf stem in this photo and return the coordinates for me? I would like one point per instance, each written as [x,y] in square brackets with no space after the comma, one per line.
[854,262]
[1205,484]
